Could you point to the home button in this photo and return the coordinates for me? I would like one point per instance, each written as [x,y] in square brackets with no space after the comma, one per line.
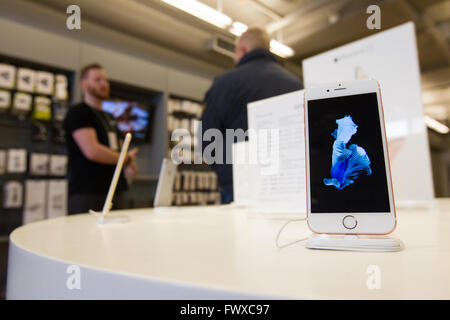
[349,222]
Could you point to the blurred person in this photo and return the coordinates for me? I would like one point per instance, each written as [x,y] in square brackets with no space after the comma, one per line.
[257,76]
[94,147]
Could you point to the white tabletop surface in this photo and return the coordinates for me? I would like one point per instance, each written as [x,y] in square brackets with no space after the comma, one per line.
[234,249]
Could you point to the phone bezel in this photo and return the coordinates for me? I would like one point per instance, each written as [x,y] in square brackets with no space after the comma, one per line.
[378,223]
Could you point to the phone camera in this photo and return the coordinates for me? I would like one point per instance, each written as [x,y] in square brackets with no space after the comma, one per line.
[328,90]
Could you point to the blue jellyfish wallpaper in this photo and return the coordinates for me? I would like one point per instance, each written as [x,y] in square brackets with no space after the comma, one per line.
[347,163]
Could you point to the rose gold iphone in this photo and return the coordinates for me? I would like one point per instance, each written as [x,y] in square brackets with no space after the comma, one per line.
[349,188]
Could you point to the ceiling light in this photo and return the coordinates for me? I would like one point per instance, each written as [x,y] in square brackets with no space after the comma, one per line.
[436,125]
[202,11]
[238,28]
[280,49]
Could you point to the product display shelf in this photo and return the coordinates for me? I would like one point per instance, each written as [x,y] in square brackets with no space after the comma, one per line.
[196,183]
[24,130]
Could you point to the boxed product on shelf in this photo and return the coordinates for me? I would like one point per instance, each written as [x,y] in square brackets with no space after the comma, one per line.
[57,198]
[40,130]
[193,198]
[177,183]
[213,181]
[58,165]
[5,100]
[35,201]
[62,79]
[186,183]
[203,181]
[170,123]
[26,80]
[199,110]
[2,161]
[195,125]
[7,76]
[193,180]
[176,124]
[17,161]
[22,103]
[184,198]
[173,105]
[59,110]
[185,124]
[44,82]
[42,108]
[186,106]
[61,87]
[13,195]
[39,164]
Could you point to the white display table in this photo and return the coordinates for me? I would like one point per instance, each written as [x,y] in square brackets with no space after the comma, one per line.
[222,253]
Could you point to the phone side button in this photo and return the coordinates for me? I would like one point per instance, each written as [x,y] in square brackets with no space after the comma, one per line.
[349,222]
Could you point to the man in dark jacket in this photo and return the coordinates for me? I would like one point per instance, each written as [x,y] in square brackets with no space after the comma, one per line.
[257,76]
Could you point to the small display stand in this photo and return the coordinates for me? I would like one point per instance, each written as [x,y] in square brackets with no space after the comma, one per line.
[112,189]
[372,243]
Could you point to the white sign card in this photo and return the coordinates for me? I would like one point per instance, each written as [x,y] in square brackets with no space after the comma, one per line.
[279,179]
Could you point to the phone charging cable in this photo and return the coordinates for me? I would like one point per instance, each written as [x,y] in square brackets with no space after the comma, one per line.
[277,241]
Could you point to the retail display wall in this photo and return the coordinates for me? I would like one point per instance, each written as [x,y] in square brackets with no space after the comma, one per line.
[195,183]
[34,99]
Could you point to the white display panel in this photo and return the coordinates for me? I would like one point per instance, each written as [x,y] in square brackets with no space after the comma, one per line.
[391,58]
[279,181]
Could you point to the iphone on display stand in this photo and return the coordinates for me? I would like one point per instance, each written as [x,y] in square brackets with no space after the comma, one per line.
[349,188]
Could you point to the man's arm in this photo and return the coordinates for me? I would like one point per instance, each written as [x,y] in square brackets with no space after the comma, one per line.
[87,141]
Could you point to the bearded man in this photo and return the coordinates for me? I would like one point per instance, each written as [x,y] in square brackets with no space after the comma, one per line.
[93,145]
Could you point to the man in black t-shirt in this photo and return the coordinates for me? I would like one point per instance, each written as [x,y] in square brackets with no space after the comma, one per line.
[94,147]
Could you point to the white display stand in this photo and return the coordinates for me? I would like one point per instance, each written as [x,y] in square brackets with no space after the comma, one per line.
[391,58]
[103,219]
[354,243]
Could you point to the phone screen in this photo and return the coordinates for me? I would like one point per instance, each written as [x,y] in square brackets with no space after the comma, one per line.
[346,158]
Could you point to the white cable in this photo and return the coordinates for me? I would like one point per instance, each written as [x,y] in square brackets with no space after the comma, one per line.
[95,214]
[290,243]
